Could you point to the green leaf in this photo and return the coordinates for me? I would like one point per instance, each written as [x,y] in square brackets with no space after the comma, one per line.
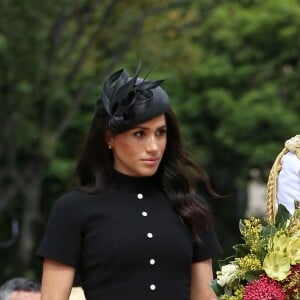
[216,288]
[226,261]
[241,250]
[282,216]
[252,275]
[241,226]
[268,231]
[261,254]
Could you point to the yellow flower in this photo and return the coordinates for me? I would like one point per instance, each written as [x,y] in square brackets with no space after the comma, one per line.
[279,243]
[249,262]
[251,233]
[277,265]
[293,225]
[293,250]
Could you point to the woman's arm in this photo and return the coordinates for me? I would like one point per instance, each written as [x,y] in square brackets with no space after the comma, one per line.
[57,280]
[202,275]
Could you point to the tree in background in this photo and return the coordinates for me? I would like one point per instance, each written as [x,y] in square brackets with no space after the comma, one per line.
[53,55]
[244,97]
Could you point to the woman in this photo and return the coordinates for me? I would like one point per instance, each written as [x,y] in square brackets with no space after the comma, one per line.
[135,229]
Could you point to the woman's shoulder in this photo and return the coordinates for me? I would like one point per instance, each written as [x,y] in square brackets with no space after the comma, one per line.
[75,199]
[75,205]
[74,195]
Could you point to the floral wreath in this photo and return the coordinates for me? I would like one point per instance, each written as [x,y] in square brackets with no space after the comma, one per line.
[267,265]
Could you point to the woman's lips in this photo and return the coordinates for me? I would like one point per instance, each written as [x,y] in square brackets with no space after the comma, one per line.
[150,161]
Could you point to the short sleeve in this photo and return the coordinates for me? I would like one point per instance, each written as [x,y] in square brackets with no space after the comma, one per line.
[208,247]
[62,237]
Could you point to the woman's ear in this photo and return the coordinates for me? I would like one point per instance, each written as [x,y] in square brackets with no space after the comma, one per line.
[108,138]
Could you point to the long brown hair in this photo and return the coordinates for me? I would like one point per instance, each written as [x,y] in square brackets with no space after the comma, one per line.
[177,174]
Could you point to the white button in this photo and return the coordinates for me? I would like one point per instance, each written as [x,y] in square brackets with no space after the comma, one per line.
[140,196]
[149,235]
[152,261]
[152,287]
[144,214]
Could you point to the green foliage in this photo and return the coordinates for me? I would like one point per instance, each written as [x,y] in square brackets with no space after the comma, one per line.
[241,250]
[281,215]
[53,57]
[217,288]
[243,98]
[268,230]
[264,253]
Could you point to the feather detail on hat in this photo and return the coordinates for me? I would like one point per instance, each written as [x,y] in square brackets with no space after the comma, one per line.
[120,93]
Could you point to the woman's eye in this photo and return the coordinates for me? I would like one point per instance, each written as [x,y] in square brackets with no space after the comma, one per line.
[139,133]
[161,132]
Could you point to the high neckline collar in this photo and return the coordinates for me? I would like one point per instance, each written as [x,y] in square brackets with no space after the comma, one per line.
[134,184]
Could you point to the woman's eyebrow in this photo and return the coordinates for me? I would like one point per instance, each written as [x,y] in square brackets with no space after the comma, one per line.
[147,128]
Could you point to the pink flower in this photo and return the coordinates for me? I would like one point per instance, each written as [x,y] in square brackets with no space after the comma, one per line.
[263,288]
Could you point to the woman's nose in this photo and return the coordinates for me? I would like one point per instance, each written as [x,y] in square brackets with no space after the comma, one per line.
[152,144]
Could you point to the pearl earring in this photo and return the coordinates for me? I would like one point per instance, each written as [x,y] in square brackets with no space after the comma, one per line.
[109,147]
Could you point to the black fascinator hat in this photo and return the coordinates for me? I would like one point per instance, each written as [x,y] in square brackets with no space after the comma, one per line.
[132,100]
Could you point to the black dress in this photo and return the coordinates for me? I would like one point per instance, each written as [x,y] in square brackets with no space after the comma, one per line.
[128,244]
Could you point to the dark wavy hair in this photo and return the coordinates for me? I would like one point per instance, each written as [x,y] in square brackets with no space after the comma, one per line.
[177,174]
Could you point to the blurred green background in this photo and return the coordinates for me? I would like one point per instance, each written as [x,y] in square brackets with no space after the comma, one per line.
[234,73]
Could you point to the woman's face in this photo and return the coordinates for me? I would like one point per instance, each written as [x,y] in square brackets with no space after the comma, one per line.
[138,151]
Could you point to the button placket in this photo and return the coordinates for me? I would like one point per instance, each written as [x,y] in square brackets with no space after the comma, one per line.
[149,235]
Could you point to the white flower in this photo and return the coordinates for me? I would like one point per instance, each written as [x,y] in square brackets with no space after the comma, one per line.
[227,274]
